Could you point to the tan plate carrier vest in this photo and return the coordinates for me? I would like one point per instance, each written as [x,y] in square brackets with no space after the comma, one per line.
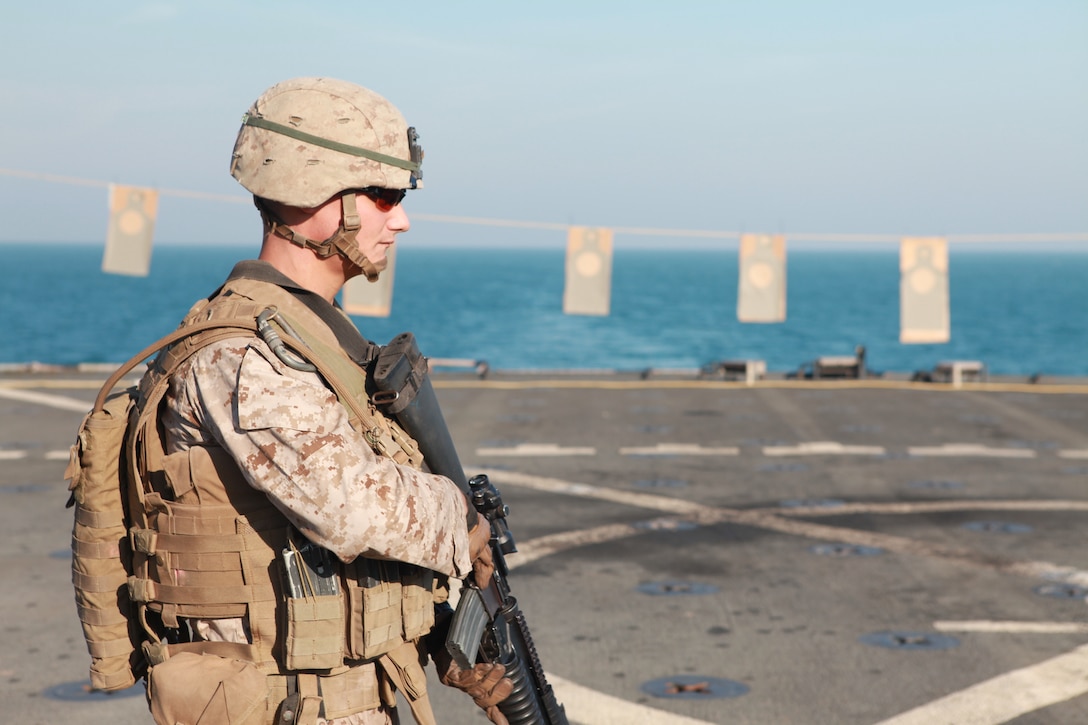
[206,545]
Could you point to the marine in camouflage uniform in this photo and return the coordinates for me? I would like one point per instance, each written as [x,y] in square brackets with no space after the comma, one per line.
[326,160]
[294,442]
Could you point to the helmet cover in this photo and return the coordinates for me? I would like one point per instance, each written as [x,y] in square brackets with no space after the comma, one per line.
[307,139]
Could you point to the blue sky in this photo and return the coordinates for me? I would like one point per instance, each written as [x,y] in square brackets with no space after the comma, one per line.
[816,117]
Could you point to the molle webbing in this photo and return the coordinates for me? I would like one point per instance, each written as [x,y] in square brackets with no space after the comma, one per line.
[209,562]
[101,476]
[205,542]
[217,550]
[98,536]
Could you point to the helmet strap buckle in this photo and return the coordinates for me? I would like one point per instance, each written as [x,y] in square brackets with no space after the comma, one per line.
[349,212]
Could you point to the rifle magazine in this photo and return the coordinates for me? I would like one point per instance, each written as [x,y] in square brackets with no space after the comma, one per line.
[467,628]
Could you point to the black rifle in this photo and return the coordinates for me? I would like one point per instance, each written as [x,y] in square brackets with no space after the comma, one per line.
[488,625]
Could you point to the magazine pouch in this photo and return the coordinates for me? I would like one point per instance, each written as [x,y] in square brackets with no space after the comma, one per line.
[315,606]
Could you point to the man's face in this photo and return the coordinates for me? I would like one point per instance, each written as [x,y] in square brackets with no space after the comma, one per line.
[381,219]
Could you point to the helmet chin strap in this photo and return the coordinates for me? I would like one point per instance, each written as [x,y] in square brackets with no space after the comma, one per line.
[343,241]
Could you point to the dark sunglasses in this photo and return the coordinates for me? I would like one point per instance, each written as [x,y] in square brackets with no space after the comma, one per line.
[384,199]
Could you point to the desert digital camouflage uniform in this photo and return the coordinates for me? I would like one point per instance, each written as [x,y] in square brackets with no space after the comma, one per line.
[292,439]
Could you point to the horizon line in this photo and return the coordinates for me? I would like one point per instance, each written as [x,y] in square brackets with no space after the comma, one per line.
[833,237]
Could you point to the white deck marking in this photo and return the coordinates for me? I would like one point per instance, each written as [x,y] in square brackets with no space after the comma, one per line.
[49,455]
[679,449]
[556,485]
[823,448]
[995,701]
[584,705]
[773,521]
[53,401]
[926,507]
[970,449]
[538,548]
[537,449]
[987,626]
[805,448]
[1008,696]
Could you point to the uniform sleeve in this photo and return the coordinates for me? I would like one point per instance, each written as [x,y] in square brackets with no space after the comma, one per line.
[291,437]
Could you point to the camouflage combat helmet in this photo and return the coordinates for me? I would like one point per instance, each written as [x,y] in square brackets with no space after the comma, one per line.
[307,140]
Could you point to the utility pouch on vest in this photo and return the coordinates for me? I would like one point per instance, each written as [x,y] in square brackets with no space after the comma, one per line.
[207,690]
[315,608]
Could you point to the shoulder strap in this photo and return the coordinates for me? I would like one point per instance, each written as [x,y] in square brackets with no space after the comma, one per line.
[358,348]
[343,391]
[241,324]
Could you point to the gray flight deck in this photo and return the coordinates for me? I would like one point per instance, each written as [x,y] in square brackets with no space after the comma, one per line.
[693,551]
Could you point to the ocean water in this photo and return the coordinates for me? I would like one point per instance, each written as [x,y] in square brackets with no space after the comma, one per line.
[1020,313]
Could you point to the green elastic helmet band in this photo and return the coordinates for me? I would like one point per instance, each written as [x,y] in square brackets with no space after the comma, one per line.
[248,120]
